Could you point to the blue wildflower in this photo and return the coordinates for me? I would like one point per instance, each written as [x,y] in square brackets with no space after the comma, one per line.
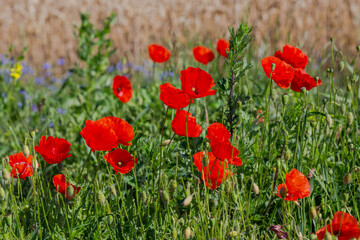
[51,124]
[61,62]
[46,66]
[39,80]
[61,111]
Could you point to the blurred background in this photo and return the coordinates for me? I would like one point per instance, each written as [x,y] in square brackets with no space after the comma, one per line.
[46,26]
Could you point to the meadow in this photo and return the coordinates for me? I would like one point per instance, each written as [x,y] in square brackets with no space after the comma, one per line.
[199,141]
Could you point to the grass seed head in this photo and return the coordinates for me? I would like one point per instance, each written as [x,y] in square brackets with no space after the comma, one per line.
[350,118]
[255,188]
[312,213]
[101,197]
[188,233]
[187,200]
[6,174]
[26,150]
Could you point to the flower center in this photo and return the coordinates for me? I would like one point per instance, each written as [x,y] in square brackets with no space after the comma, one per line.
[195,90]
[283,192]
[119,164]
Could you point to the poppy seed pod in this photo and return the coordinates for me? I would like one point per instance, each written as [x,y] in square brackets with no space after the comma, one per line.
[329,120]
[32,134]
[312,213]
[350,118]
[101,197]
[285,99]
[2,193]
[188,233]
[255,188]
[187,201]
[347,178]
[328,236]
[26,150]
[6,174]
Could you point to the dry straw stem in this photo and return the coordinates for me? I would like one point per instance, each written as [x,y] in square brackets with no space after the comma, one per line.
[46,25]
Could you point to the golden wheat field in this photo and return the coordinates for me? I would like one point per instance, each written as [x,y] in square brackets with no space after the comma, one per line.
[47,25]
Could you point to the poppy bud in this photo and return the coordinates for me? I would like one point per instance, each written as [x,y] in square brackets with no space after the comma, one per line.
[255,188]
[165,196]
[285,99]
[346,195]
[331,39]
[358,48]
[187,200]
[233,234]
[348,87]
[347,178]
[312,213]
[341,66]
[173,186]
[101,197]
[174,233]
[287,155]
[328,236]
[6,174]
[26,150]
[329,120]
[113,190]
[330,70]
[273,65]
[32,134]
[166,142]
[70,190]
[313,236]
[233,196]
[350,118]
[283,192]
[316,78]
[310,173]
[2,193]
[188,233]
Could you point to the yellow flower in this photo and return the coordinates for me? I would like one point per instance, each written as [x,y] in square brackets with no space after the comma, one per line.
[15,71]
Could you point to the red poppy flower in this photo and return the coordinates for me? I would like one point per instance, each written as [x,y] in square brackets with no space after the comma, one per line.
[172,97]
[123,130]
[107,133]
[343,225]
[53,150]
[297,186]
[214,173]
[278,54]
[121,160]
[302,79]
[293,56]
[218,132]
[225,152]
[179,126]
[158,53]
[122,88]
[258,116]
[62,186]
[203,55]
[221,46]
[196,82]
[21,165]
[283,73]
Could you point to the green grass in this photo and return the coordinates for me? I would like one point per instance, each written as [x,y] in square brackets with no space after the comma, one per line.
[293,135]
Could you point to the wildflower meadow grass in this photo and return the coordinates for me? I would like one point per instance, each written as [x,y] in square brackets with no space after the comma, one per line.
[199,141]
